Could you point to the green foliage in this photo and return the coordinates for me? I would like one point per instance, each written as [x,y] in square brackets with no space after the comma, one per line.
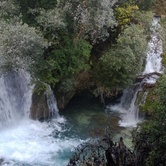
[71,57]
[130,14]
[67,26]
[8,8]
[91,18]
[20,45]
[163,32]
[164,59]
[40,87]
[25,5]
[46,4]
[67,60]
[50,20]
[120,64]
[147,107]
[124,15]
[146,4]
[155,129]
[143,18]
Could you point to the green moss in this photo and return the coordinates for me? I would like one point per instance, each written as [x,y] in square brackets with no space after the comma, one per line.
[139,99]
[164,58]
[147,106]
[151,98]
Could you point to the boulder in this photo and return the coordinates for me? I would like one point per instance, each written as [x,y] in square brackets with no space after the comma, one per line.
[63,98]
[39,108]
[149,85]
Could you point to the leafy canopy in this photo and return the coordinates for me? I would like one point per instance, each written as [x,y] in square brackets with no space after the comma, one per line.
[20,45]
[120,64]
[66,61]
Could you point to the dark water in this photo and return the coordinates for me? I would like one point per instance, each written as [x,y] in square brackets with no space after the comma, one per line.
[86,117]
[32,143]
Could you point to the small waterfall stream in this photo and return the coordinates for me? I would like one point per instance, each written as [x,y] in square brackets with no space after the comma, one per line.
[153,59]
[52,104]
[127,108]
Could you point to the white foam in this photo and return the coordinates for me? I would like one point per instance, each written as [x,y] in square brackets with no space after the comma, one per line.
[24,141]
[129,117]
[32,142]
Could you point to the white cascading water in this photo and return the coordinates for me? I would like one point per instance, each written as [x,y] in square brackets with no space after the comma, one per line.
[14,98]
[24,141]
[52,104]
[129,111]
[153,59]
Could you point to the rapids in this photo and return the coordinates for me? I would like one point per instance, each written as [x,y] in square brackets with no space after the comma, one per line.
[28,142]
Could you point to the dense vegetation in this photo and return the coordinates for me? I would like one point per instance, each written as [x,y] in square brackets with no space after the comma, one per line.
[76,45]
[69,38]
[150,137]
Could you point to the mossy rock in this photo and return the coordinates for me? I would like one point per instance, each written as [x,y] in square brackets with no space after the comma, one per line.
[140,95]
[164,59]
[39,107]
[151,97]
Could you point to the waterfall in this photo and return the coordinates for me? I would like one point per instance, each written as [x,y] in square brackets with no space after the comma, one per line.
[153,59]
[128,109]
[15,97]
[52,104]
[24,141]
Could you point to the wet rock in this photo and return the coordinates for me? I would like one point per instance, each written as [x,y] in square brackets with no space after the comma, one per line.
[63,99]
[141,77]
[149,85]
[82,82]
[39,108]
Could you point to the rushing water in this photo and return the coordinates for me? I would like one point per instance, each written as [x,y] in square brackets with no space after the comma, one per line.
[24,141]
[32,143]
[153,59]
[27,142]
[128,109]
[14,98]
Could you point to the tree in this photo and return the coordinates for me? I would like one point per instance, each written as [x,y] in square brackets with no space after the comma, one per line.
[50,19]
[91,18]
[20,45]
[120,64]
[8,8]
[64,62]
[26,5]
[125,15]
[145,4]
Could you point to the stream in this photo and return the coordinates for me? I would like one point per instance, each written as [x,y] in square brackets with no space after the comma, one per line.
[27,142]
